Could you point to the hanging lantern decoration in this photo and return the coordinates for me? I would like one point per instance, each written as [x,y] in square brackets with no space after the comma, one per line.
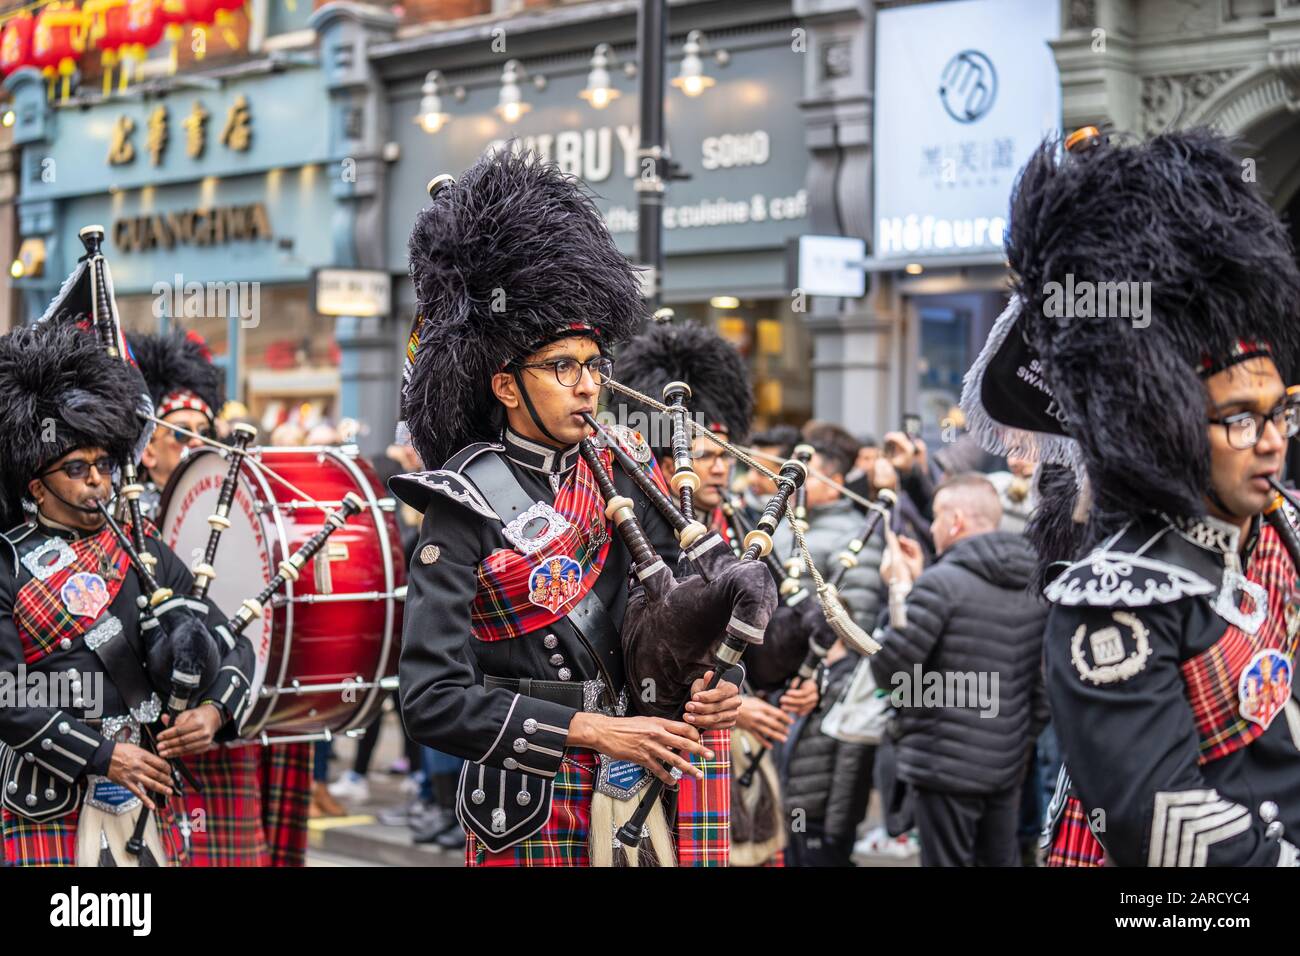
[201,14]
[174,16]
[225,21]
[16,43]
[106,22]
[144,28]
[58,42]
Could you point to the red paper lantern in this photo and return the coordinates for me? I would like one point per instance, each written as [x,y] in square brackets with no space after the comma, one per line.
[174,16]
[16,43]
[201,12]
[58,41]
[144,28]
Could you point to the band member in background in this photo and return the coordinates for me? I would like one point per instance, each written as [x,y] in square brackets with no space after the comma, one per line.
[69,421]
[254,799]
[522,295]
[187,391]
[722,399]
[1171,417]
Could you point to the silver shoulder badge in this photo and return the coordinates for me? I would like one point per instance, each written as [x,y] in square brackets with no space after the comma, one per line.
[535,528]
[430,554]
[631,441]
[1111,654]
[49,559]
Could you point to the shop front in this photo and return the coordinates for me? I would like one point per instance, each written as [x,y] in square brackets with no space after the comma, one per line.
[962,100]
[740,141]
[217,209]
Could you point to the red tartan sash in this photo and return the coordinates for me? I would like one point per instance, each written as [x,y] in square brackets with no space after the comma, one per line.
[1213,677]
[41,614]
[519,593]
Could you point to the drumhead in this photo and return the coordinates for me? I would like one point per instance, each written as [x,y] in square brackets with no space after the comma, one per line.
[245,558]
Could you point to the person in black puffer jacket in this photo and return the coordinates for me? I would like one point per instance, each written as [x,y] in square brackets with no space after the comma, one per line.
[965,673]
[826,783]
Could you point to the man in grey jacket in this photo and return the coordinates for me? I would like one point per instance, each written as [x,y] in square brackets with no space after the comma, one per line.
[965,674]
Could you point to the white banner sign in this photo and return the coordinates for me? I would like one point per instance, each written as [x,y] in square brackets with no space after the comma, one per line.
[355,292]
[965,91]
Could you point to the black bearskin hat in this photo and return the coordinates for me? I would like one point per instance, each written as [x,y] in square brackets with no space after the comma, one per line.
[1120,398]
[722,398]
[177,368]
[509,257]
[59,391]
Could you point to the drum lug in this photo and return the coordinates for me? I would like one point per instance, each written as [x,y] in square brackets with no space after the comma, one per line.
[334,551]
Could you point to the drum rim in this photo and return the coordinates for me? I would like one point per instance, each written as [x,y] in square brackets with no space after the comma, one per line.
[348,461]
[277,552]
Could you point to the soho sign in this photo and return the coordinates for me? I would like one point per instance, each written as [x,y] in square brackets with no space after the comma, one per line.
[589,153]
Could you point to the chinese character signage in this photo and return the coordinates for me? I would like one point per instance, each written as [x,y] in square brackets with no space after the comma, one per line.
[236,134]
[965,91]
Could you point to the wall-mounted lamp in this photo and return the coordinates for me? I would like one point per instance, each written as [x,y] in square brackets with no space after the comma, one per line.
[692,80]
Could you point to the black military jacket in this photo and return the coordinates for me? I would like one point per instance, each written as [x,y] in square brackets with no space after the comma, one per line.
[49,747]
[1124,621]
[444,702]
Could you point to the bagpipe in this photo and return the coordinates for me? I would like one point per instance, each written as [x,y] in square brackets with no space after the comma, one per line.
[676,630]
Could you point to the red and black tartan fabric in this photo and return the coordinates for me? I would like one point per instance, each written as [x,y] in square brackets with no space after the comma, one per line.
[702,829]
[502,607]
[1212,677]
[226,815]
[54,842]
[1074,843]
[1211,684]
[286,800]
[40,613]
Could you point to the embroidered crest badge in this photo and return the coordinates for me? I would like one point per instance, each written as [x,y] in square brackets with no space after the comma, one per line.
[555,583]
[1114,653]
[85,594]
[1264,686]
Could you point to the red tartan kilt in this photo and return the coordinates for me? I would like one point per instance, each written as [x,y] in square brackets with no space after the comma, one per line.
[1073,844]
[563,841]
[54,843]
[286,800]
[226,815]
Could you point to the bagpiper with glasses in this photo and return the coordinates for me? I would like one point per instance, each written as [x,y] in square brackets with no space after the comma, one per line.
[1169,558]
[722,400]
[511,655]
[254,799]
[78,762]
[187,391]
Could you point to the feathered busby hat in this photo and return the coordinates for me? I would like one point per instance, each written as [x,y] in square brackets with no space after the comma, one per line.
[722,398]
[1138,270]
[59,391]
[178,369]
[507,258]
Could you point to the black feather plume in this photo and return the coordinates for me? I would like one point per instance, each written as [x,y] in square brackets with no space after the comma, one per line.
[59,391]
[686,352]
[511,256]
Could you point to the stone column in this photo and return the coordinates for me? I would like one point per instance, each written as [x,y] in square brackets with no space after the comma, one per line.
[852,373]
[358,122]
[1097,59]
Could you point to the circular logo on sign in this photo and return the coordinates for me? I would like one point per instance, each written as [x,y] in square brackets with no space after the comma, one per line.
[968,86]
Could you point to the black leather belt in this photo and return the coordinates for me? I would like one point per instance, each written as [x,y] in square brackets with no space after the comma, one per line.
[566,693]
